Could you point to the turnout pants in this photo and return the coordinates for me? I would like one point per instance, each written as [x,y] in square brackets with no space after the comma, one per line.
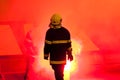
[58,71]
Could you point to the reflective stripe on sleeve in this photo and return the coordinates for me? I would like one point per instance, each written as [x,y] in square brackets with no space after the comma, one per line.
[57,41]
[48,42]
[58,62]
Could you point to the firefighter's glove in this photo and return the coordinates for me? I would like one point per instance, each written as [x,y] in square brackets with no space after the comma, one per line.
[70,57]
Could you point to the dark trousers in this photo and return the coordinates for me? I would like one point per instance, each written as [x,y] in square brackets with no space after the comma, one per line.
[58,71]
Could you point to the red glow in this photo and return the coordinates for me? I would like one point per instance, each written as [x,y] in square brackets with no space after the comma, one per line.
[7,39]
[94,26]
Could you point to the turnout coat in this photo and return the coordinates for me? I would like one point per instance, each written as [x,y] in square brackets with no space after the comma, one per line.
[57,43]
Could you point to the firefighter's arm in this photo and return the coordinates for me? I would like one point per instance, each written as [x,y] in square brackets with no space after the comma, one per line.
[69,53]
[46,51]
[69,48]
[47,45]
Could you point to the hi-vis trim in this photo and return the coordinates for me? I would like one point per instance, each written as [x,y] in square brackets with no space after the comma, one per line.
[58,62]
[57,41]
[48,42]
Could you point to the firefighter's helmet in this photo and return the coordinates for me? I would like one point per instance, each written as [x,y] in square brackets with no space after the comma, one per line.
[56,19]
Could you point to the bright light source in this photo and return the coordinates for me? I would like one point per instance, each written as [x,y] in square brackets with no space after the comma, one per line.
[72,66]
[67,66]
[67,70]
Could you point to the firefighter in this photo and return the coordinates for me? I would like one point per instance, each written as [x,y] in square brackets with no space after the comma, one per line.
[57,46]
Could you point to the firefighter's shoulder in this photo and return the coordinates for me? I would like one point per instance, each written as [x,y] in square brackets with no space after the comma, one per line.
[65,29]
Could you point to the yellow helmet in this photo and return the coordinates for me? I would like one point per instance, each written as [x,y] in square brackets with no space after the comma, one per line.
[56,19]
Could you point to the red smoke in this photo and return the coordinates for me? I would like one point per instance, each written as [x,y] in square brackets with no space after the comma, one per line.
[94,23]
